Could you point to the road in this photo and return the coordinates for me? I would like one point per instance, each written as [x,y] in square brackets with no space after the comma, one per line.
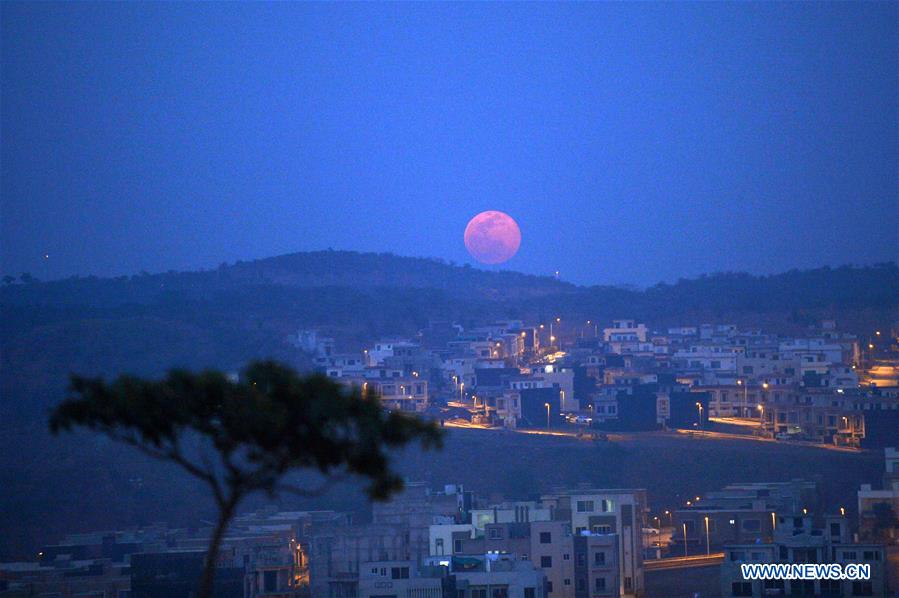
[684,562]
[461,423]
[701,434]
[730,436]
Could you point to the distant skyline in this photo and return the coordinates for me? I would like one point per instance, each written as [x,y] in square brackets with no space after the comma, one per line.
[632,142]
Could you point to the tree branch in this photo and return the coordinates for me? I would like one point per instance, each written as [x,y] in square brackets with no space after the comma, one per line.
[173,454]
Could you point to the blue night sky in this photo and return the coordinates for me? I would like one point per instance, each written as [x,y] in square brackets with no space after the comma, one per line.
[632,142]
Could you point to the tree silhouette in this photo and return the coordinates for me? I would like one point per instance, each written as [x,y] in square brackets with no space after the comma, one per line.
[241,437]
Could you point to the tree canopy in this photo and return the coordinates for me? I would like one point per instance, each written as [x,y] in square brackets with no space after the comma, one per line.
[243,436]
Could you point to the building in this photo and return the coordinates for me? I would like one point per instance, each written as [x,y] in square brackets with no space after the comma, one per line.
[739,514]
[605,512]
[796,541]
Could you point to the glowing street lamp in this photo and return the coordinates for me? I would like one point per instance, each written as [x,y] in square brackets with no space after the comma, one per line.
[745,397]
[707,549]
[547,415]
[685,538]
[699,407]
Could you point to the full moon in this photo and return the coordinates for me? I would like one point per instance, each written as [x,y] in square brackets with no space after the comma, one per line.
[492,237]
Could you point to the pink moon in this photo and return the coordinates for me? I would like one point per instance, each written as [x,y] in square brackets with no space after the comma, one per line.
[492,237]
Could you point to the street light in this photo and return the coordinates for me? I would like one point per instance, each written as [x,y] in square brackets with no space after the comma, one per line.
[707,549]
[685,538]
[670,518]
[761,409]
[699,406]
[745,397]
[547,415]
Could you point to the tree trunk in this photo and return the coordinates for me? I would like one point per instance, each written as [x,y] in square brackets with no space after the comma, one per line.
[226,512]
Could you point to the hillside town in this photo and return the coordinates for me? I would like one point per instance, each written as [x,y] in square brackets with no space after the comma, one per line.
[826,387]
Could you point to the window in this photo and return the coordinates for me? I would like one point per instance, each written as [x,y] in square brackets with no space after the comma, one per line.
[628,583]
[549,587]
[599,584]
[546,562]
[566,581]
[849,555]
[871,555]
[399,573]
[479,593]
[802,587]
[585,506]
[530,593]
[599,558]
[499,593]
[546,537]
[862,588]
[457,546]
[602,529]
[737,556]
[270,581]
[751,525]
[438,546]
[566,557]
[741,588]
[495,533]
[606,505]
[831,587]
